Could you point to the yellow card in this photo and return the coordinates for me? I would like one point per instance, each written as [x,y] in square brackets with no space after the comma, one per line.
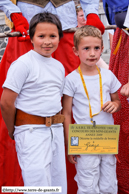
[87,139]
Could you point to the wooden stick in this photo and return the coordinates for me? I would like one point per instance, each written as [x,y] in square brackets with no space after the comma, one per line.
[106,28]
[9,34]
[14,34]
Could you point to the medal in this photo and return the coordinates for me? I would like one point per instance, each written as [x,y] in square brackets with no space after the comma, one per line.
[101,94]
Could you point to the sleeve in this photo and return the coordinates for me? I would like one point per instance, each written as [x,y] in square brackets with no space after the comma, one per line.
[68,87]
[114,84]
[8,7]
[90,6]
[16,76]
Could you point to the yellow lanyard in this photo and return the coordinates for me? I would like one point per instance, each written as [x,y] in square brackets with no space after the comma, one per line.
[101,92]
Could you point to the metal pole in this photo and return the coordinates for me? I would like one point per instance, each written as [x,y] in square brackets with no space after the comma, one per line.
[14,34]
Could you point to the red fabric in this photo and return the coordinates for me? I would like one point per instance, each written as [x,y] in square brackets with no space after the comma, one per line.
[93,20]
[21,25]
[65,55]
[10,173]
[119,65]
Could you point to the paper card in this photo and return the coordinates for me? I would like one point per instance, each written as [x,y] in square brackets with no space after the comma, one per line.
[86,139]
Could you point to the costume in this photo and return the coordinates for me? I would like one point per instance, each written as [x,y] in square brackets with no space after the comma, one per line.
[112,7]
[95,173]
[40,149]
[119,65]
[67,14]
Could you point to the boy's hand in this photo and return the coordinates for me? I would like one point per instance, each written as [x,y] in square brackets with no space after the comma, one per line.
[8,110]
[110,107]
[21,25]
[73,158]
[125,90]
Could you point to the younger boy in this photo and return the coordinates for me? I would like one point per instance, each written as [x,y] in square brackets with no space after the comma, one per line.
[89,90]
[34,84]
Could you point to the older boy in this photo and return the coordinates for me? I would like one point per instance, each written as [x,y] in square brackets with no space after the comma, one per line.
[34,84]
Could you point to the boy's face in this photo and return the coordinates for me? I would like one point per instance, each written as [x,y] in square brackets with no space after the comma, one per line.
[89,50]
[45,39]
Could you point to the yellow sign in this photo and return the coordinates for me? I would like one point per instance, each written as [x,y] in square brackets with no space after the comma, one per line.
[7,21]
[87,139]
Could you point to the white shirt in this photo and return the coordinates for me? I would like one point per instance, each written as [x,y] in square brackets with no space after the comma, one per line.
[74,88]
[39,83]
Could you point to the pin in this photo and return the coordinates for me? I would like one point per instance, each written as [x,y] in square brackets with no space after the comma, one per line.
[94,123]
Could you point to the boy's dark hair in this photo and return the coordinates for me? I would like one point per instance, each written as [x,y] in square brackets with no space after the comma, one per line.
[44,17]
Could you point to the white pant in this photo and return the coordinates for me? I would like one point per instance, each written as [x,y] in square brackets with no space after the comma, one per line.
[96,174]
[41,156]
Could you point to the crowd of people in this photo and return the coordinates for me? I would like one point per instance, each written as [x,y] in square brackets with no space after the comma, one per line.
[32,84]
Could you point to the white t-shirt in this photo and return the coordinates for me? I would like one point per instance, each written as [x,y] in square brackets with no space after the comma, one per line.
[74,88]
[39,83]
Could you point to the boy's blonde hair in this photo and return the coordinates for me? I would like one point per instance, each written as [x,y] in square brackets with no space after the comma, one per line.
[85,31]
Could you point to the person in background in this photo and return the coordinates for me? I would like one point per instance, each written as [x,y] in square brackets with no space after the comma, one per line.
[20,14]
[111,33]
[81,21]
[110,16]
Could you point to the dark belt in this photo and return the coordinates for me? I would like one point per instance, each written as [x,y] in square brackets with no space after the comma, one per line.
[23,118]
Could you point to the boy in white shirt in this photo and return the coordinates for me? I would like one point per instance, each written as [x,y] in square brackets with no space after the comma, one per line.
[31,104]
[89,90]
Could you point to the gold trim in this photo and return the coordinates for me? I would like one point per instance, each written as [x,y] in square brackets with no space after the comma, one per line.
[43,3]
[61,3]
[36,3]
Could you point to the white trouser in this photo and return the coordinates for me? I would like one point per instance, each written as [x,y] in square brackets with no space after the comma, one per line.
[96,174]
[41,156]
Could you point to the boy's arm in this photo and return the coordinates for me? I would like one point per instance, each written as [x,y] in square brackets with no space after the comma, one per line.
[67,110]
[101,63]
[8,109]
[112,106]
